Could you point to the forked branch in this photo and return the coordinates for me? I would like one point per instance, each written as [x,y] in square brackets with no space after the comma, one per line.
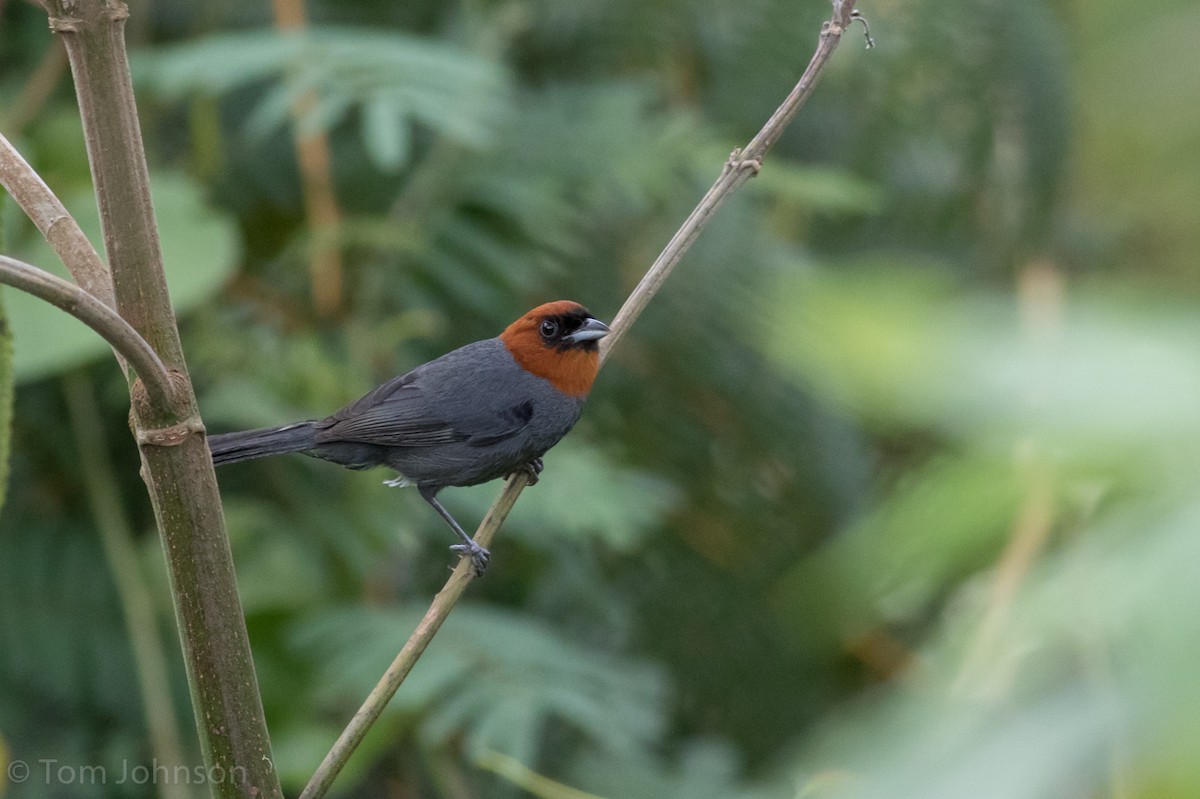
[58,227]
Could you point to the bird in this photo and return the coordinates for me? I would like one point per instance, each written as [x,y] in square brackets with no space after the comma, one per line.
[483,411]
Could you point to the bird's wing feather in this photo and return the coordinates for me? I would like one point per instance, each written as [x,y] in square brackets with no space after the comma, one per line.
[501,425]
[395,414]
[402,413]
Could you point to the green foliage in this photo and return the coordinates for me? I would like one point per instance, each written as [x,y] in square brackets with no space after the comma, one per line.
[900,346]
[389,79]
[577,505]
[703,769]
[1135,177]
[890,492]
[199,253]
[498,680]
[63,654]
[1087,412]
[1092,655]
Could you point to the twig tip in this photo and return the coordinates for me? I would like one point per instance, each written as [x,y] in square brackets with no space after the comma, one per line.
[857,16]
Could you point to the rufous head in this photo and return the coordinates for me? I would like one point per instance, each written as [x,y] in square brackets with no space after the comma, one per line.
[560,342]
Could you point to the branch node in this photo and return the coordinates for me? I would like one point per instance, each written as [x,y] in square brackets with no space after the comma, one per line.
[112,12]
[857,16]
[736,162]
[171,436]
[64,24]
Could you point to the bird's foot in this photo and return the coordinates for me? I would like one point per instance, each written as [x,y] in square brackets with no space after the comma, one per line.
[479,556]
[533,469]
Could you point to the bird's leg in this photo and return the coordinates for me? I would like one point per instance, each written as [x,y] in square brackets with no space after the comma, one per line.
[533,469]
[479,555]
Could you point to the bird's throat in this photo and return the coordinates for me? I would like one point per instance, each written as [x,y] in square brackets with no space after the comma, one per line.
[571,371]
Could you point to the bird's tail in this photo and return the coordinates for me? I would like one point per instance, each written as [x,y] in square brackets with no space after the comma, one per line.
[234,447]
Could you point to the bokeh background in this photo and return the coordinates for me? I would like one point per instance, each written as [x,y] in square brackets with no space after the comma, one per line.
[892,492]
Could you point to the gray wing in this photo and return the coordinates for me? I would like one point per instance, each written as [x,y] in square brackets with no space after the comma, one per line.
[426,407]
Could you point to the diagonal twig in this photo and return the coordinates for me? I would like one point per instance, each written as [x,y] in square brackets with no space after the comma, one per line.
[57,226]
[99,317]
[743,164]
[414,647]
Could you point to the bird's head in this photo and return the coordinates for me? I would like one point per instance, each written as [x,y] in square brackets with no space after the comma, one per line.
[558,341]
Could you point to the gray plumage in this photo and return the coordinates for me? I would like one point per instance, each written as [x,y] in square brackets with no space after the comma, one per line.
[433,425]
[470,416]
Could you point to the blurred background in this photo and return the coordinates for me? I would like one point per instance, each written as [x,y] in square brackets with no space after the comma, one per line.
[890,493]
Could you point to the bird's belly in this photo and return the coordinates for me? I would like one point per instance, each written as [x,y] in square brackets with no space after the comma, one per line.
[459,464]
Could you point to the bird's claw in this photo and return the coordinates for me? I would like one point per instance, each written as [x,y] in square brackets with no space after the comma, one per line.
[534,470]
[479,556]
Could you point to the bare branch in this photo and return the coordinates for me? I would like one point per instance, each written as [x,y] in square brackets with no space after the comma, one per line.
[743,163]
[99,317]
[385,689]
[59,228]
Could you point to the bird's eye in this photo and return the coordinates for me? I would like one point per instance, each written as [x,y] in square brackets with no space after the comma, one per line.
[549,328]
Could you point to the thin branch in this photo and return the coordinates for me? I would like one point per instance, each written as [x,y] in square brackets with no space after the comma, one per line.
[742,164]
[528,780]
[383,691]
[99,317]
[59,228]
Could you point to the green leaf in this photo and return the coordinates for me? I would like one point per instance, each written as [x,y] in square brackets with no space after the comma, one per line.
[496,678]
[892,563]
[200,250]
[902,347]
[385,134]
[818,188]
[702,769]
[392,79]
[582,495]
[62,639]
